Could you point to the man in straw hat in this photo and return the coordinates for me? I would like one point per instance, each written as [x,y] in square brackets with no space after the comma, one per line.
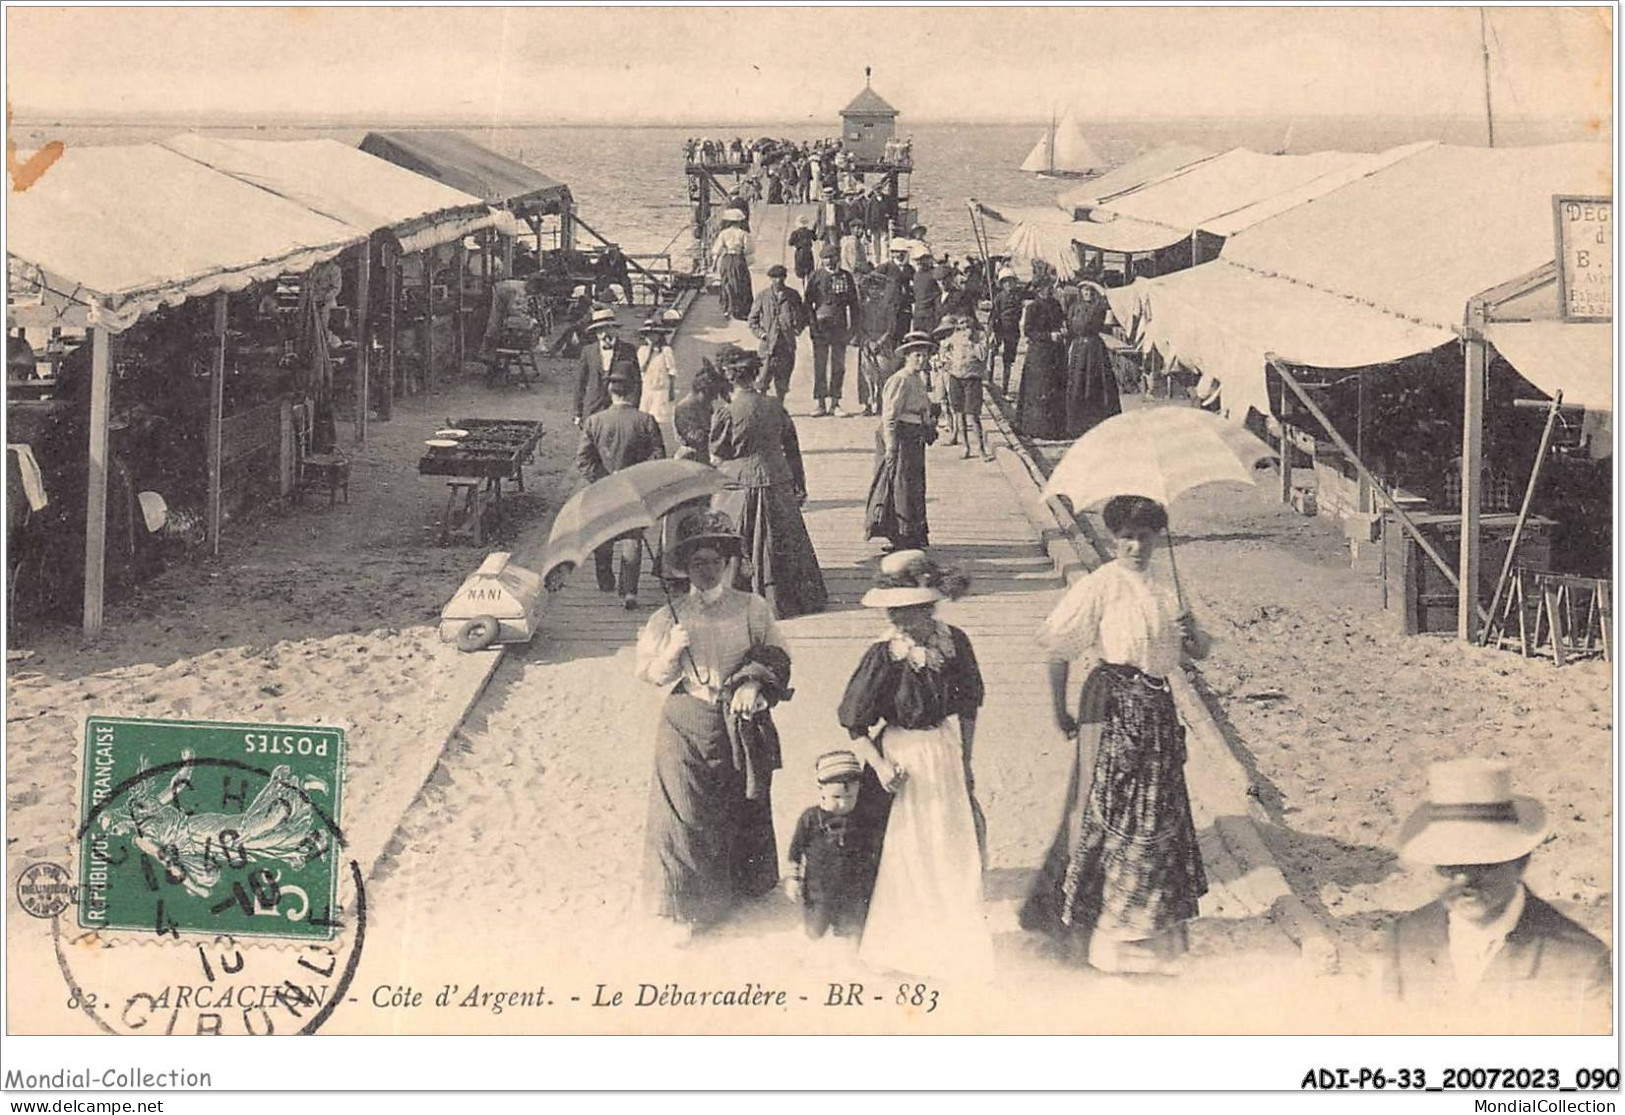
[614,438]
[1486,937]
[597,358]
[777,317]
[801,242]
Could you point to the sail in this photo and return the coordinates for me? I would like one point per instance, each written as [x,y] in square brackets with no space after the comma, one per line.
[1038,159]
[1072,152]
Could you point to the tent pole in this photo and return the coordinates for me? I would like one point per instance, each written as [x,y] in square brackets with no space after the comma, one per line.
[217,403]
[1523,514]
[96,495]
[392,275]
[462,338]
[363,342]
[1286,448]
[1472,466]
[1348,451]
[428,321]
[1359,440]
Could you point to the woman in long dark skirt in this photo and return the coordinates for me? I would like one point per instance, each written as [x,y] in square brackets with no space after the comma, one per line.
[732,251]
[1124,873]
[754,445]
[896,506]
[1091,384]
[709,840]
[1041,399]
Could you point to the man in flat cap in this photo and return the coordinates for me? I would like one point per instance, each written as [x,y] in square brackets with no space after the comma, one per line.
[1487,940]
[614,438]
[832,303]
[777,318]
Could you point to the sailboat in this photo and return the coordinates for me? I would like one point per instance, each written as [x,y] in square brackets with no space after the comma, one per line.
[1062,152]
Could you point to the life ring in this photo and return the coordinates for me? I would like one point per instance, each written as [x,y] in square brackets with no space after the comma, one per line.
[478,633]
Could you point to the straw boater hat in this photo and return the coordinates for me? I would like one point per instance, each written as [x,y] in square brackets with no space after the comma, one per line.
[667,321]
[912,577]
[916,339]
[704,529]
[1006,273]
[1472,816]
[949,324]
[919,251]
[602,318]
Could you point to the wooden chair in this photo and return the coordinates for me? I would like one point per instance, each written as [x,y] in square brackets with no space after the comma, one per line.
[513,358]
[329,472]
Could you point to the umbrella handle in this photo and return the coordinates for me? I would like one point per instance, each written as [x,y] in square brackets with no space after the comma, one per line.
[1179,592]
[670,607]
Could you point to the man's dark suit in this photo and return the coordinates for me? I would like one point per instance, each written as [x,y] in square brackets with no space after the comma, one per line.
[613,439]
[592,381]
[832,305]
[1547,961]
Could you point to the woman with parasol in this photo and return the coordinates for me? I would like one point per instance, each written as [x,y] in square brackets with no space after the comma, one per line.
[709,840]
[1124,873]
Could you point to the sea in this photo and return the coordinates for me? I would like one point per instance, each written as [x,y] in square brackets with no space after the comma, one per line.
[629,184]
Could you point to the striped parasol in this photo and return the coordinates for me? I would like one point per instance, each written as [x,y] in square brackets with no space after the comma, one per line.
[634,498]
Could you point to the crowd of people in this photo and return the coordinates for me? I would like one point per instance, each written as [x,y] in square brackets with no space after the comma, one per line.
[892,853]
[787,171]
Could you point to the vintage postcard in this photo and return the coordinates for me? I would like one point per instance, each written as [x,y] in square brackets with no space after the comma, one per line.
[812,521]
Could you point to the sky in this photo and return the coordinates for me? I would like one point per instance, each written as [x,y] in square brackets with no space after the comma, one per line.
[715,64]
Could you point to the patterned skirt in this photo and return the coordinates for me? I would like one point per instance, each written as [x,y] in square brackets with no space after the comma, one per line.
[1125,862]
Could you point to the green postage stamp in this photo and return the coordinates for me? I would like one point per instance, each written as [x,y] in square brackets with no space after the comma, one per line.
[210,828]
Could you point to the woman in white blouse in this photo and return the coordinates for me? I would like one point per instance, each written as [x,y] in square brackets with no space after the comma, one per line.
[896,505]
[1124,873]
[732,250]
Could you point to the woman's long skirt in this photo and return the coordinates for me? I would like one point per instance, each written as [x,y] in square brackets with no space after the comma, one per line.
[896,507]
[706,846]
[1091,386]
[1041,398]
[926,915]
[736,294]
[781,566]
[1125,864]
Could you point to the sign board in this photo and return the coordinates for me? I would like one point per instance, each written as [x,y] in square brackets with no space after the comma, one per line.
[1585,257]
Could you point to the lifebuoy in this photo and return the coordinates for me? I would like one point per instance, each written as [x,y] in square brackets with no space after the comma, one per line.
[478,633]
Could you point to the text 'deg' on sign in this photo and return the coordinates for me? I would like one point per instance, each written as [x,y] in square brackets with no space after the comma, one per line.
[1585,257]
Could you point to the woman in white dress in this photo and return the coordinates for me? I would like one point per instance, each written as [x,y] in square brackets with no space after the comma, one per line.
[732,251]
[919,684]
[659,366]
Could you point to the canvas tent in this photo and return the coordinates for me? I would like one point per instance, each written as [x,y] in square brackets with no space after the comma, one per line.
[121,231]
[341,182]
[1138,171]
[108,234]
[457,161]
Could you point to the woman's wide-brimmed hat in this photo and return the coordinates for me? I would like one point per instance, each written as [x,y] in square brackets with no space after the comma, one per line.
[1472,816]
[950,324]
[1007,273]
[917,339]
[704,530]
[602,318]
[666,321]
[909,577]
[803,221]
[737,363]
[733,214]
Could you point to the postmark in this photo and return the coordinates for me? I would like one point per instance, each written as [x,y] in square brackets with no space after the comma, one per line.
[44,890]
[214,895]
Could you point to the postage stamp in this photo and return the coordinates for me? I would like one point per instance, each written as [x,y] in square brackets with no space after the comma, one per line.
[210,828]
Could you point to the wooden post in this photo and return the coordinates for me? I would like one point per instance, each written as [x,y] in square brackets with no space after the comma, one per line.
[1348,451]
[217,407]
[392,272]
[507,254]
[363,343]
[462,338]
[1359,442]
[428,320]
[1472,468]
[96,494]
[1286,449]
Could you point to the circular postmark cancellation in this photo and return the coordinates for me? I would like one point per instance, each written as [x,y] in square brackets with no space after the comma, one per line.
[44,890]
[213,895]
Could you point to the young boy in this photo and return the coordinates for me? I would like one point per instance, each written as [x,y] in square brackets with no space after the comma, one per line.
[832,854]
[963,360]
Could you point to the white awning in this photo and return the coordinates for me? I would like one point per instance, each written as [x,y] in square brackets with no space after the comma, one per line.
[1222,320]
[1576,358]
